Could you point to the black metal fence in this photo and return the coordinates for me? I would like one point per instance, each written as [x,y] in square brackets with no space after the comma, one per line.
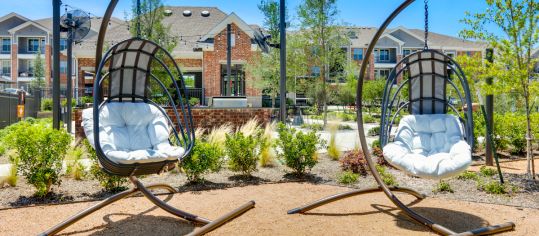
[8,107]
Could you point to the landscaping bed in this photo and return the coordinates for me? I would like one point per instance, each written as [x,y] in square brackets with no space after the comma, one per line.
[325,172]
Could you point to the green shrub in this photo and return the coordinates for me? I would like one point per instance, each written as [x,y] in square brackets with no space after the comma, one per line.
[73,103]
[346,116]
[345,127]
[87,99]
[354,161]
[368,118]
[333,151]
[443,186]
[387,177]
[194,101]
[347,177]
[75,169]
[297,149]
[376,144]
[242,152]
[314,126]
[468,175]
[374,131]
[205,158]
[41,150]
[46,104]
[486,171]
[111,183]
[493,187]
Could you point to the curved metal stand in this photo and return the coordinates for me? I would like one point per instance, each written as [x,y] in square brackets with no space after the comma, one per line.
[381,185]
[352,193]
[145,190]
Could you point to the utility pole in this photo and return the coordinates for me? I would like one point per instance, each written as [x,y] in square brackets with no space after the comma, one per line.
[282,44]
[56,64]
[69,72]
[489,107]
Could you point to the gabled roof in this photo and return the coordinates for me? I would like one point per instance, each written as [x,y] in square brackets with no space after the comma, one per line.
[232,18]
[26,24]
[11,15]
[392,38]
[407,31]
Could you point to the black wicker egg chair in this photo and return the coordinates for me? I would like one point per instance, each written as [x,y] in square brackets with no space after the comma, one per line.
[427,74]
[130,130]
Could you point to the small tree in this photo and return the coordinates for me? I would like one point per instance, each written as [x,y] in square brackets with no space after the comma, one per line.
[518,21]
[317,19]
[39,73]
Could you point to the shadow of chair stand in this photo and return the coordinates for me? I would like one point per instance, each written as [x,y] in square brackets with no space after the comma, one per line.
[126,117]
[426,101]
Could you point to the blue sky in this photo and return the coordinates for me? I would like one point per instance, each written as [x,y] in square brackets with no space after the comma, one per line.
[445,14]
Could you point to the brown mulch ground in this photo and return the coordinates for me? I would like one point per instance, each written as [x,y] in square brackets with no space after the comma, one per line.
[325,172]
[371,214]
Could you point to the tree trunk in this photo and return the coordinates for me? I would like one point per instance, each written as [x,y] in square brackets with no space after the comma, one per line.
[529,150]
[324,96]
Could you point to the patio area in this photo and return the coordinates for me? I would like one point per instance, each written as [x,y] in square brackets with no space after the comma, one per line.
[367,214]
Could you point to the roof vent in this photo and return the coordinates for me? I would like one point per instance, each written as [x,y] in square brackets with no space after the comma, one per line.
[205,13]
[168,12]
[187,13]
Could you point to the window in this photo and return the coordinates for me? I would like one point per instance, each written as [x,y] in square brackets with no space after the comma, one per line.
[63,67]
[235,84]
[232,40]
[315,71]
[406,52]
[382,73]
[6,68]
[468,53]
[63,44]
[384,55]
[33,45]
[358,54]
[189,80]
[6,45]
[450,53]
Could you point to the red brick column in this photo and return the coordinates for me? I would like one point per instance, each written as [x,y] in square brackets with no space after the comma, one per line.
[14,62]
[48,65]
[371,67]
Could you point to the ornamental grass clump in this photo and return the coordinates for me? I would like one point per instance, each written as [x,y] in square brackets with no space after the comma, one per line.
[75,168]
[267,154]
[333,151]
[297,149]
[40,151]
[217,135]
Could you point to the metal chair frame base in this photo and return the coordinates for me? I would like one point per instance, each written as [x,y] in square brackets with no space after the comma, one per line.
[208,225]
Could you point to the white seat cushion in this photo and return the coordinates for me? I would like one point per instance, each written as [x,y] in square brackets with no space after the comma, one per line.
[429,146]
[131,133]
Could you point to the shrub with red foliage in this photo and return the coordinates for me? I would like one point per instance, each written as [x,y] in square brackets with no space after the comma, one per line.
[354,161]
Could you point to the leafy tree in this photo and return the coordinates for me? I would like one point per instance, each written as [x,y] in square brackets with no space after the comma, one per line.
[518,21]
[39,73]
[317,22]
[151,23]
[265,68]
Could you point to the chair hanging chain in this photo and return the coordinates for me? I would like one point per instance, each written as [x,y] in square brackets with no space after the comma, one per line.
[426,23]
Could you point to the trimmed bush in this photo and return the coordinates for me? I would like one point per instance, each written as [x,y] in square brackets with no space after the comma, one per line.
[297,149]
[87,99]
[242,152]
[468,175]
[46,104]
[486,171]
[347,177]
[205,158]
[41,150]
[194,101]
[374,131]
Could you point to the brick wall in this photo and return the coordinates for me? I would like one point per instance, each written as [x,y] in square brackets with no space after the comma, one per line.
[48,65]
[212,61]
[205,117]
[84,62]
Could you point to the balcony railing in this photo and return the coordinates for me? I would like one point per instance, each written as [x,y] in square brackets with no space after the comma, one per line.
[197,93]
